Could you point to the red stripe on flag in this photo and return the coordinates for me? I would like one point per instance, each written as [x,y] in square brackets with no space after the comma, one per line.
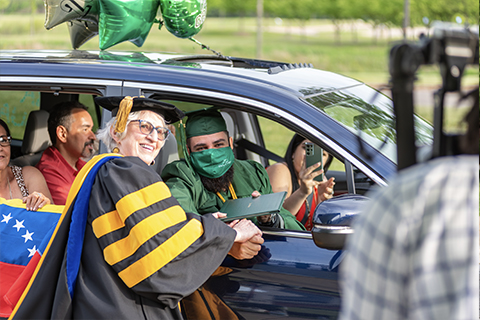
[9,274]
[15,292]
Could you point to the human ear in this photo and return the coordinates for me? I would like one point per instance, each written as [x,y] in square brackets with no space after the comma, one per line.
[113,135]
[62,134]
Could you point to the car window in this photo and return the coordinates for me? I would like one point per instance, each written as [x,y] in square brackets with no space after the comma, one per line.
[370,115]
[277,137]
[15,107]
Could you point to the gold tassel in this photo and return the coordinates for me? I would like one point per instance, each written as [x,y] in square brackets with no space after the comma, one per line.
[122,114]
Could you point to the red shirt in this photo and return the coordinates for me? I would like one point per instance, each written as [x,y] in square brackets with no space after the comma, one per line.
[58,173]
[303,208]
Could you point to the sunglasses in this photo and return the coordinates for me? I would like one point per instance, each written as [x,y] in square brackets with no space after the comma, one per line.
[147,128]
[5,141]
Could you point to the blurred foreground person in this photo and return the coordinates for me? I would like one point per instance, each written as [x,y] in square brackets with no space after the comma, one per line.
[143,253]
[414,253]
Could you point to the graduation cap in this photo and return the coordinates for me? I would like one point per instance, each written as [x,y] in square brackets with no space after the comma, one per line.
[204,122]
[200,122]
[121,106]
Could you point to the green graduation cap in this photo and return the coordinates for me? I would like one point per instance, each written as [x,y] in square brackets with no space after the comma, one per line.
[204,122]
[199,123]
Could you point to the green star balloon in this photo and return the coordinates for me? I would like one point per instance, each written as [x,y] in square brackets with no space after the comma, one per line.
[125,20]
[81,31]
[59,11]
[183,18]
[135,57]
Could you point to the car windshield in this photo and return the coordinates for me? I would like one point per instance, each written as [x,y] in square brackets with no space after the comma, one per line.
[368,114]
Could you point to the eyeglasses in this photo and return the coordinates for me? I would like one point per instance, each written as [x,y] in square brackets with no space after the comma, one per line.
[147,128]
[5,141]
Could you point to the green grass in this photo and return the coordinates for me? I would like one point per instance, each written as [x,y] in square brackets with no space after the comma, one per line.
[357,56]
[361,58]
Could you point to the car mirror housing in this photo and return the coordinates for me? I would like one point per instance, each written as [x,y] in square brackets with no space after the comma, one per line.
[333,218]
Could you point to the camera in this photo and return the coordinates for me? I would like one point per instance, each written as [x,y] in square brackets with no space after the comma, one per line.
[450,46]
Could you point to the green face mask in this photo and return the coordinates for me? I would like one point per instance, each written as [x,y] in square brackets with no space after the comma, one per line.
[212,163]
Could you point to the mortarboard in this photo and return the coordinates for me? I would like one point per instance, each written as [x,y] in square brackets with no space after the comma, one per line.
[121,106]
[204,122]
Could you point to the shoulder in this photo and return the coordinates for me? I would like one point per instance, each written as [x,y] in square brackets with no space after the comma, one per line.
[29,171]
[178,168]
[123,175]
[124,164]
[248,165]
[279,168]
[32,175]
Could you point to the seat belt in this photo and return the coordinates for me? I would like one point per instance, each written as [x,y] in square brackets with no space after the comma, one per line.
[250,146]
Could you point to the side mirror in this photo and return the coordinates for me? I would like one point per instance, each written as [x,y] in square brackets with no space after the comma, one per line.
[332,220]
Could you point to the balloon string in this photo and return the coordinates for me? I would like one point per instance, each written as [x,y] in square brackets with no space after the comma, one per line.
[204,46]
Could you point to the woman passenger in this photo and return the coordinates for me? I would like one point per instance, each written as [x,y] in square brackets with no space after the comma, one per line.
[25,183]
[303,192]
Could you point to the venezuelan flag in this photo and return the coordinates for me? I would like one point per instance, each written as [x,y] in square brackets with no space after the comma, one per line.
[23,238]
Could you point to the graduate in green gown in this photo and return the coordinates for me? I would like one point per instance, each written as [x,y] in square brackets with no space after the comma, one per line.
[211,174]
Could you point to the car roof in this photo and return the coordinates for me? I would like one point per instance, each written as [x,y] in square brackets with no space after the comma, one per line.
[286,86]
[299,79]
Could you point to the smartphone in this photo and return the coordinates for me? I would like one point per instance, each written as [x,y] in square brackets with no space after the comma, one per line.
[314,154]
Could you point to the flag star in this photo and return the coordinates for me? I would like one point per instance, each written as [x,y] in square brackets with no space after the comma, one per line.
[19,225]
[6,219]
[32,251]
[28,236]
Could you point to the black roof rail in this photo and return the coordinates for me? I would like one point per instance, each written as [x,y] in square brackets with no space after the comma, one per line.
[285,67]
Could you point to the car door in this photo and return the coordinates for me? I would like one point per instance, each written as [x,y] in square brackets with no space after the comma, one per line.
[291,277]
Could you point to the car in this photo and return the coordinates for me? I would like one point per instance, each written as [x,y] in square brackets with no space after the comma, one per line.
[297,277]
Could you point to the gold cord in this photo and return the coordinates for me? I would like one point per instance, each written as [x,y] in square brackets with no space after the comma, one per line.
[232,191]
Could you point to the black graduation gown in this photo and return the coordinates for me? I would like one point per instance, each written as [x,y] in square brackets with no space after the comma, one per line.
[141,252]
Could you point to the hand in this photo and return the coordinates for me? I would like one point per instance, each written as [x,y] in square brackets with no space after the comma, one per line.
[325,189]
[219,215]
[262,219]
[306,176]
[247,249]
[246,229]
[35,201]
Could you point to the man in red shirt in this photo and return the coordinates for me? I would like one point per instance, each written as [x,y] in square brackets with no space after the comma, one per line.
[70,129]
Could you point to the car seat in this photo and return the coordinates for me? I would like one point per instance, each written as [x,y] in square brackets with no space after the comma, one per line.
[35,139]
[167,154]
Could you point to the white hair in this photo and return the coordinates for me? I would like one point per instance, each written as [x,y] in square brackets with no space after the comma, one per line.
[105,134]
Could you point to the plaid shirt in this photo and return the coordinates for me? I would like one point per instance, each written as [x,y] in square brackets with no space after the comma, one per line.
[414,253]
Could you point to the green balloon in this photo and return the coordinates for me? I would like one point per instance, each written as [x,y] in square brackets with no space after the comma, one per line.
[183,18]
[125,20]
[81,31]
[59,11]
[134,57]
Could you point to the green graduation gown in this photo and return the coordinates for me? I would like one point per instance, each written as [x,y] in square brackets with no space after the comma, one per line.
[186,186]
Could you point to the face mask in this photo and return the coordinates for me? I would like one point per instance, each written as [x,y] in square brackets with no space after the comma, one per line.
[212,163]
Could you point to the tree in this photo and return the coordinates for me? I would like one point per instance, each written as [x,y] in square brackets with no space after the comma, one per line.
[444,10]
